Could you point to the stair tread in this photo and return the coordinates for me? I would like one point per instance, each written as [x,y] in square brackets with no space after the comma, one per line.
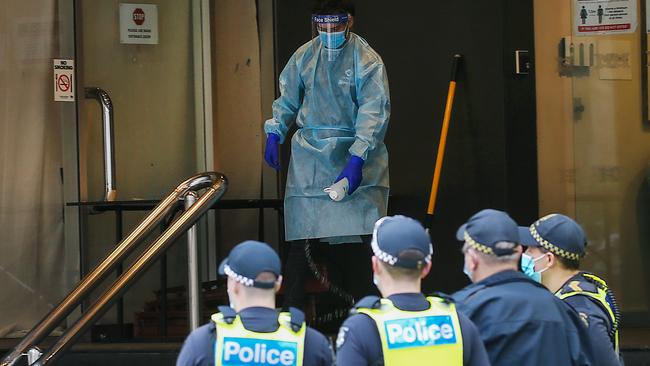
[8,343]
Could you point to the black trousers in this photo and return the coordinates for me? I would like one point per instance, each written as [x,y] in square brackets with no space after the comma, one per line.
[348,267]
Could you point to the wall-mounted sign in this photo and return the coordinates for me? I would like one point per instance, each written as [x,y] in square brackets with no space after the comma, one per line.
[138,24]
[591,17]
[614,59]
[63,80]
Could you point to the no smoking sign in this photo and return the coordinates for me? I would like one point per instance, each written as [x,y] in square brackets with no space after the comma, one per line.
[63,83]
[63,80]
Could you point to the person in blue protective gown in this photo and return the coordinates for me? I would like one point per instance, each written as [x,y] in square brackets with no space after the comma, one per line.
[335,90]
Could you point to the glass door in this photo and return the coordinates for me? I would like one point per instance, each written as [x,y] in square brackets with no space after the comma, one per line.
[612,145]
[148,58]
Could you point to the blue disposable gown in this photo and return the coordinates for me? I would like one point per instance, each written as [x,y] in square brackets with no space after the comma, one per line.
[341,108]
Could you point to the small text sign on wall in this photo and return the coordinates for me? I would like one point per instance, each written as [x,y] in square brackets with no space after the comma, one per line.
[63,80]
[138,24]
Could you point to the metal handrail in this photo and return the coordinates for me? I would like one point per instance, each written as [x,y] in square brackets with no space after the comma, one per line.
[108,137]
[175,230]
[216,185]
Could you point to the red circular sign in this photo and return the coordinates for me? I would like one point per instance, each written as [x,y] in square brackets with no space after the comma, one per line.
[138,16]
[63,83]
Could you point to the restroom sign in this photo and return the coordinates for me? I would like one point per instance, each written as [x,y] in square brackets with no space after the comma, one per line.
[593,17]
[63,80]
[138,24]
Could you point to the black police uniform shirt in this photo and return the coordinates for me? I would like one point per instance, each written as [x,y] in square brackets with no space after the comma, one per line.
[599,324]
[359,343]
[522,323]
[198,349]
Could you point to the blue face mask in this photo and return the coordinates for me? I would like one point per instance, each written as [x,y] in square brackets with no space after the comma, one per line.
[528,267]
[332,40]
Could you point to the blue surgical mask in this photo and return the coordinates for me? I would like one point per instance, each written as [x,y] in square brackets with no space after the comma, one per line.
[375,280]
[528,267]
[332,40]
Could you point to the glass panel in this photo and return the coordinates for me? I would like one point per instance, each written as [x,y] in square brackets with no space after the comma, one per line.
[611,154]
[31,189]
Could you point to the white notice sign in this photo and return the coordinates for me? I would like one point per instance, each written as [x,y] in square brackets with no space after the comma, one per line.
[138,23]
[593,17]
[63,80]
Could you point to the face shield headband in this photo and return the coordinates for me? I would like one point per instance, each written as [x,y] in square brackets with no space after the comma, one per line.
[332,30]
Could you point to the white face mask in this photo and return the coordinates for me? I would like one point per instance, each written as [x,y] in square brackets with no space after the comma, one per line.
[375,280]
[537,259]
[231,299]
[468,273]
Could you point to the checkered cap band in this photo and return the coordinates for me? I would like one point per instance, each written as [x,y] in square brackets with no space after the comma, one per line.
[476,245]
[552,247]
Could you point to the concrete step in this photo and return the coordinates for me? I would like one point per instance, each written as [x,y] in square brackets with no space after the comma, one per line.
[112,354]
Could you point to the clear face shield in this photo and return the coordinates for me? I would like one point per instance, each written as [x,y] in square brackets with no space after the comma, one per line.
[332,31]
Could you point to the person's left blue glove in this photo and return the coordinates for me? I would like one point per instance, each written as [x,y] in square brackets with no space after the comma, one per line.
[352,171]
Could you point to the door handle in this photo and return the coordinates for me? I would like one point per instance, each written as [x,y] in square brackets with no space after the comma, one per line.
[99,94]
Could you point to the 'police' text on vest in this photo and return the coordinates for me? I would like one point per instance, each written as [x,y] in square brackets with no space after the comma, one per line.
[420,332]
[237,351]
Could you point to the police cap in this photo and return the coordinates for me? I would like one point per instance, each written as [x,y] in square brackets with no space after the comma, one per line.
[490,232]
[247,260]
[556,233]
[393,235]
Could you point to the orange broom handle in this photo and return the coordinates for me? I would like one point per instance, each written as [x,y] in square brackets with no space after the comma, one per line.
[443,136]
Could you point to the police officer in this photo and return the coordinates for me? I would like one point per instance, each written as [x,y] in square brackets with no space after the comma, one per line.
[250,331]
[520,321]
[405,327]
[555,245]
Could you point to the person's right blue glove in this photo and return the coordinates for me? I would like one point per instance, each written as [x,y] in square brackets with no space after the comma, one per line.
[272,153]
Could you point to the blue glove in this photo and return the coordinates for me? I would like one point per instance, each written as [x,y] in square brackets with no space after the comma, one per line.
[353,172]
[272,154]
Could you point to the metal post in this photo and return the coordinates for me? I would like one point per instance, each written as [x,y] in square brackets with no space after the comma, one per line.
[193,287]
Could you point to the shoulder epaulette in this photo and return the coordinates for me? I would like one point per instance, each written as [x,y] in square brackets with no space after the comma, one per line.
[229,314]
[368,302]
[579,287]
[297,318]
[447,298]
